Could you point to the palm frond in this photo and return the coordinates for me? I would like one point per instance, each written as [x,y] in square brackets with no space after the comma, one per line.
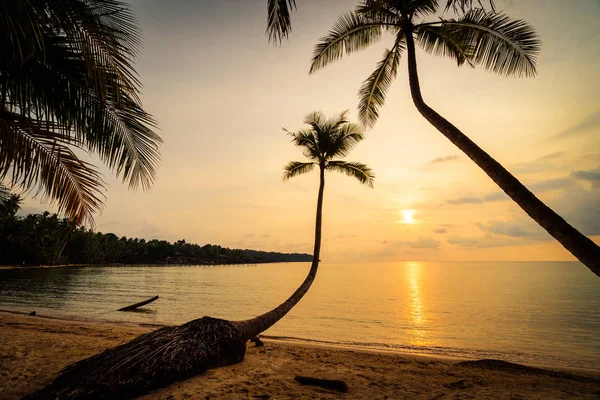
[422,8]
[305,138]
[110,123]
[279,22]
[344,139]
[465,5]
[498,43]
[30,154]
[373,90]
[295,168]
[357,170]
[351,33]
[444,41]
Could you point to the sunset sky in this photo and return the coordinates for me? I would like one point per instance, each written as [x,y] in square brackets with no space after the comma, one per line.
[222,94]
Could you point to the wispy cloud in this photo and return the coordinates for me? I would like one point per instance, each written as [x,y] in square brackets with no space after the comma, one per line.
[586,124]
[440,230]
[420,243]
[592,176]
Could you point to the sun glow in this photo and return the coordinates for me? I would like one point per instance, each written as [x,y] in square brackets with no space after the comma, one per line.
[408,216]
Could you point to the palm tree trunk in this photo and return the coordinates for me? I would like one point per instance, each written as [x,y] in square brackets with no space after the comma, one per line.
[252,327]
[578,244]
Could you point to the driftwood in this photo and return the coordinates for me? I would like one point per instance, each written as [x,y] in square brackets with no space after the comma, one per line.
[137,305]
[334,384]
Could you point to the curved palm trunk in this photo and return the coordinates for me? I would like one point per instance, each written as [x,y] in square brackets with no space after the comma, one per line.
[578,244]
[252,327]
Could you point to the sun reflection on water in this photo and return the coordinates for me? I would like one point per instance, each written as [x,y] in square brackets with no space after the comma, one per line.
[417,310]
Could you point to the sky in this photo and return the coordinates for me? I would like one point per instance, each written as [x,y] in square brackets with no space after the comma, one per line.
[222,94]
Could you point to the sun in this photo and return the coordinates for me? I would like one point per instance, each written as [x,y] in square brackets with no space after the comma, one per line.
[408,216]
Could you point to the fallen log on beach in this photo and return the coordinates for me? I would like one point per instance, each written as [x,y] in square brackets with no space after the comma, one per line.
[137,305]
[334,384]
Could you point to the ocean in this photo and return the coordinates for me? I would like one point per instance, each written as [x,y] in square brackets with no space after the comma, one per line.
[545,313]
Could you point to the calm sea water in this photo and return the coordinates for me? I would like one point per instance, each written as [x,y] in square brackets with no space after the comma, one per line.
[544,313]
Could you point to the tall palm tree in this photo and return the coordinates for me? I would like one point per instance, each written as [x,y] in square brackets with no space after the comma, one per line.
[67,82]
[322,142]
[173,353]
[477,37]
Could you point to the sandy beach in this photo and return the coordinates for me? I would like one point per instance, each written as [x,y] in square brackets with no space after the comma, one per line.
[33,349]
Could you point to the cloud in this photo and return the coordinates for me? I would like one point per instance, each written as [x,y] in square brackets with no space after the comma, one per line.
[249,235]
[545,163]
[518,228]
[421,243]
[484,242]
[545,186]
[441,160]
[465,200]
[344,236]
[265,236]
[440,230]
[550,185]
[592,121]
[591,175]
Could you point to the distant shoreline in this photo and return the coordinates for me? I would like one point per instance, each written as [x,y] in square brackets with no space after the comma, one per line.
[195,264]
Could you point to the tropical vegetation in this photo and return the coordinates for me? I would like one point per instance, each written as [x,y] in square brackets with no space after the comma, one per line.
[47,239]
[68,86]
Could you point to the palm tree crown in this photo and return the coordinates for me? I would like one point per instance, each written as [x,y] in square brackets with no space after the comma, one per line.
[477,37]
[67,82]
[325,140]
[279,21]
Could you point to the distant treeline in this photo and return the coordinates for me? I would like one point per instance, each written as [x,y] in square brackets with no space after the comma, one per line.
[46,239]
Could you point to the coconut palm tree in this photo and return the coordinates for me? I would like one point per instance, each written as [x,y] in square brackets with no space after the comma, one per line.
[322,143]
[174,353]
[477,38]
[67,82]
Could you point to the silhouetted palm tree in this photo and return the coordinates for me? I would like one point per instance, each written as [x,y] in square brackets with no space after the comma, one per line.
[67,81]
[175,353]
[479,37]
[323,142]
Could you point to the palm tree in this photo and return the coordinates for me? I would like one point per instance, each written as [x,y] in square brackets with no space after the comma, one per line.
[67,82]
[477,37]
[322,142]
[174,353]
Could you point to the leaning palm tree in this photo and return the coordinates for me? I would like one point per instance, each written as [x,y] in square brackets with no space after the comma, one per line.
[170,354]
[67,82]
[477,37]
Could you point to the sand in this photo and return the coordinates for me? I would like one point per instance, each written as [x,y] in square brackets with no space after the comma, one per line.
[33,349]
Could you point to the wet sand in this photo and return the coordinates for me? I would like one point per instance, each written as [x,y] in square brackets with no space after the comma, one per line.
[33,350]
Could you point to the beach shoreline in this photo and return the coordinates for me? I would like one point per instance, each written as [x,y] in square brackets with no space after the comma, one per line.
[33,349]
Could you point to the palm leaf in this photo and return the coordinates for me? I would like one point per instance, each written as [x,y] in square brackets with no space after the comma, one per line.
[295,168]
[106,117]
[305,139]
[465,5]
[344,140]
[357,170]
[279,22]
[444,41]
[29,153]
[372,92]
[499,44]
[352,32]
